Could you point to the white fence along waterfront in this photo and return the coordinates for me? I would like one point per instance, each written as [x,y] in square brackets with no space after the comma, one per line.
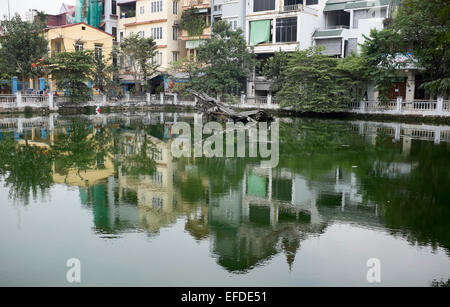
[439,107]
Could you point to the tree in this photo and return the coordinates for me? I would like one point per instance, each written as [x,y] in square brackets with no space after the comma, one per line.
[193,22]
[106,74]
[313,82]
[73,71]
[273,69]
[22,45]
[225,60]
[190,68]
[419,27]
[378,52]
[138,54]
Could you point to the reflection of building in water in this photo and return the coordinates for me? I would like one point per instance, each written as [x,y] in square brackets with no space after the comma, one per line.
[274,210]
[155,192]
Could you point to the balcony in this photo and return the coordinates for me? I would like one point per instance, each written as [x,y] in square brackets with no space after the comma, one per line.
[205,35]
[292,8]
[196,3]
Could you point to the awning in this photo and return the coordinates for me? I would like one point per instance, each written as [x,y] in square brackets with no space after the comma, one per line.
[366,4]
[339,5]
[259,32]
[335,5]
[194,44]
[327,33]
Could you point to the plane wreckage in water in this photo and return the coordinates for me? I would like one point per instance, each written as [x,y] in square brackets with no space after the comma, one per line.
[213,108]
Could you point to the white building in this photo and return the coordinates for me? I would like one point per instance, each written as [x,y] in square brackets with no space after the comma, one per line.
[346,22]
[274,25]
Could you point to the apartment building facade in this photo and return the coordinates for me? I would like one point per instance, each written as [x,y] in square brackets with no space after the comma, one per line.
[152,18]
[72,38]
[202,9]
[274,25]
[347,22]
[230,11]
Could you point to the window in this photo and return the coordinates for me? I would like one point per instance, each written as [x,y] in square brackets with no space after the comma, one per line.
[157,178]
[157,203]
[175,7]
[263,5]
[156,33]
[312,2]
[174,56]
[114,32]
[286,30]
[141,34]
[157,6]
[156,153]
[218,8]
[142,10]
[58,47]
[79,47]
[114,7]
[233,24]
[175,33]
[98,52]
[121,36]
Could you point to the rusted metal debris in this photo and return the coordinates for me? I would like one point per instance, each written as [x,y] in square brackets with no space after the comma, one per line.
[212,107]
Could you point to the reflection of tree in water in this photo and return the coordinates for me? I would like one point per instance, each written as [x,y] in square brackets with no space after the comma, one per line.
[134,154]
[26,169]
[81,149]
[440,283]
[416,203]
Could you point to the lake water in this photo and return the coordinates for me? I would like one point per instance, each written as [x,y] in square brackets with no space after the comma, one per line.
[105,189]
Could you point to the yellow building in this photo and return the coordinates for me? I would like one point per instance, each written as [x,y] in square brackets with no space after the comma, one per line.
[203,9]
[152,18]
[75,37]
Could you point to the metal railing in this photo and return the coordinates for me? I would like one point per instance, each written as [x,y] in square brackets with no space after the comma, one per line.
[292,8]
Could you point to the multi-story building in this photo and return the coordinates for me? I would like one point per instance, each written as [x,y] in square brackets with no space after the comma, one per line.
[203,10]
[231,11]
[274,25]
[72,38]
[109,17]
[347,23]
[152,18]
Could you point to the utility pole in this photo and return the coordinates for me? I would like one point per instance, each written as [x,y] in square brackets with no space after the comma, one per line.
[9,12]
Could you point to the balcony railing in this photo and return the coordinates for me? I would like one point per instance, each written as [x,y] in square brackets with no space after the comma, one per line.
[292,8]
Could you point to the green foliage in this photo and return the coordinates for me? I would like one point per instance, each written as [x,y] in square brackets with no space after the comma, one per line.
[378,51]
[224,62]
[73,70]
[430,41]
[21,46]
[193,22]
[420,27]
[313,82]
[137,53]
[106,74]
[76,150]
[27,169]
[273,69]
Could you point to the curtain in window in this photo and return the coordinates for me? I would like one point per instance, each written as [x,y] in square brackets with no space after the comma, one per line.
[259,32]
